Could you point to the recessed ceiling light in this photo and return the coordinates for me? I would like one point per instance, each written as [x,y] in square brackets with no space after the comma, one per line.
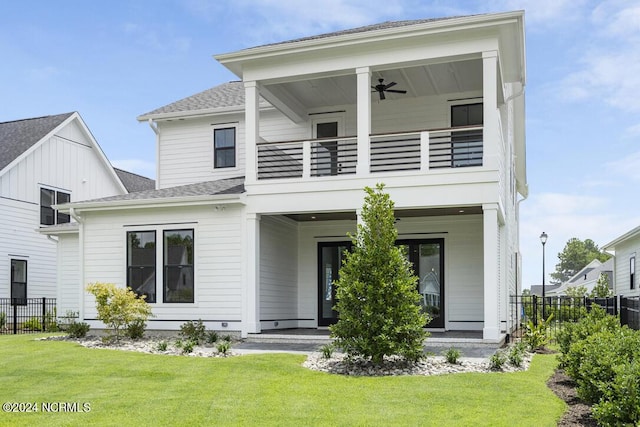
[313,217]
[461,211]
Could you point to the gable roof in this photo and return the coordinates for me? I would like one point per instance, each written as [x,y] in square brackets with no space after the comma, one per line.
[134,182]
[225,97]
[18,136]
[631,234]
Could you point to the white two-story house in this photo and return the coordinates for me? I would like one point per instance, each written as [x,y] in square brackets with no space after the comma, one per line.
[260,180]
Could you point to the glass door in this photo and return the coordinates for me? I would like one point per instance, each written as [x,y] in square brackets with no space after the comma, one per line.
[330,256]
[427,257]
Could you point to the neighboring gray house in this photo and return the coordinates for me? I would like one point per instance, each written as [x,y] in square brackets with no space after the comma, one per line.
[134,182]
[588,277]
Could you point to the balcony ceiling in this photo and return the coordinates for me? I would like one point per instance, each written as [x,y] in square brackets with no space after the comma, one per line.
[423,80]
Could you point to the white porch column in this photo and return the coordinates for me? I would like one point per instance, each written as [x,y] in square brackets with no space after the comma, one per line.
[252,130]
[251,308]
[364,119]
[491,329]
[490,108]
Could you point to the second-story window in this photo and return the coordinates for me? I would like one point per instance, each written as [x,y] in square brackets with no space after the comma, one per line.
[49,198]
[224,147]
[632,272]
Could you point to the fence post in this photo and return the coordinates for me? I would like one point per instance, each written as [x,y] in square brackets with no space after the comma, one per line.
[534,309]
[15,315]
[44,313]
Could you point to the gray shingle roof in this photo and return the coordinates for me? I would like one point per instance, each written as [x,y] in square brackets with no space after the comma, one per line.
[226,95]
[18,136]
[209,188]
[367,28]
[134,182]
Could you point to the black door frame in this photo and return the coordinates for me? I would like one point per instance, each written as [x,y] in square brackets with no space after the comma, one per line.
[326,321]
[414,257]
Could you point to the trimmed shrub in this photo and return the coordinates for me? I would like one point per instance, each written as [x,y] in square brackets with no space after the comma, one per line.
[135,330]
[620,403]
[223,347]
[193,331]
[33,324]
[77,329]
[497,361]
[452,355]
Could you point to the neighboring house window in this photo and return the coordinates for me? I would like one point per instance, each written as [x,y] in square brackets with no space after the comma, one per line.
[224,147]
[19,281]
[466,146]
[632,272]
[178,266]
[141,263]
[48,198]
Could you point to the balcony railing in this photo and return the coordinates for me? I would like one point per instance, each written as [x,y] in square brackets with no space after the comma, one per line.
[390,152]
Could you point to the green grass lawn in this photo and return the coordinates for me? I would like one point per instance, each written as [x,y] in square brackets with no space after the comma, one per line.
[126,388]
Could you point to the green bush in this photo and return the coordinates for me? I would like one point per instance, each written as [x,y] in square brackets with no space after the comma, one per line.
[187,346]
[535,336]
[118,307]
[594,361]
[515,356]
[212,337]
[3,319]
[32,324]
[51,322]
[377,299]
[193,331]
[594,321]
[620,403]
[452,355]
[77,329]
[223,347]
[327,350]
[162,346]
[497,361]
[135,330]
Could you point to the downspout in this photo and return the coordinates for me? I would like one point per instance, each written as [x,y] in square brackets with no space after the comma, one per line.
[80,221]
[154,128]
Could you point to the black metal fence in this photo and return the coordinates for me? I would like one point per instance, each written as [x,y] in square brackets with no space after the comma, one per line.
[557,310]
[27,315]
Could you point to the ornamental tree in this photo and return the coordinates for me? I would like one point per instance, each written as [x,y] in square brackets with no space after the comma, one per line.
[118,307]
[377,299]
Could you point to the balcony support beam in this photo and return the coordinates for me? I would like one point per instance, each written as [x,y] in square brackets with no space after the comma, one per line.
[491,134]
[364,119]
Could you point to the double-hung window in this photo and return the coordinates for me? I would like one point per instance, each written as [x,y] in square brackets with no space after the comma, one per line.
[141,263]
[224,147]
[19,281]
[49,198]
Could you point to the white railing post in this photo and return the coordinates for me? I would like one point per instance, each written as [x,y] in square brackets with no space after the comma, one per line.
[424,151]
[306,159]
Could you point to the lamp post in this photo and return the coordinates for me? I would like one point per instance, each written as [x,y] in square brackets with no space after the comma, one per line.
[543,240]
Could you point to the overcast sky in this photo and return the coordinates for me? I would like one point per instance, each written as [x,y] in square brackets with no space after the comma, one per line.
[114,60]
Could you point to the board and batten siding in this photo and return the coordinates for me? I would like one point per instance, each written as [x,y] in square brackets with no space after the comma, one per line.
[20,240]
[218,260]
[278,273]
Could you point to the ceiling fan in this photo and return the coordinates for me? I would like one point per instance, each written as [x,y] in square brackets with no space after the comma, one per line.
[381,88]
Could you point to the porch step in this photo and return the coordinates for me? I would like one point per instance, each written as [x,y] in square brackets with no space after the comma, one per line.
[267,338]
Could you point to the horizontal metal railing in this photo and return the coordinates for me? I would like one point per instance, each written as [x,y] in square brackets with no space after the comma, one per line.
[388,152]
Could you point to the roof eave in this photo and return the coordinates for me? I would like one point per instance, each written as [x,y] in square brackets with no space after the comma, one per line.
[191,114]
[628,235]
[208,199]
[232,60]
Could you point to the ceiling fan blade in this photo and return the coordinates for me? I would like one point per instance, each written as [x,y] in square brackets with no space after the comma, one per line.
[392,84]
[382,95]
[397,91]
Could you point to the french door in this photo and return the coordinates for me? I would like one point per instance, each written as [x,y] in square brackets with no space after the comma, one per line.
[427,257]
[330,256]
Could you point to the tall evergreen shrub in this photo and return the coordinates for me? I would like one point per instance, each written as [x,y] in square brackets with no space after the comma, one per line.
[377,300]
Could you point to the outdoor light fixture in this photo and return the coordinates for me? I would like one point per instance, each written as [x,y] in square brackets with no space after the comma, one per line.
[543,240]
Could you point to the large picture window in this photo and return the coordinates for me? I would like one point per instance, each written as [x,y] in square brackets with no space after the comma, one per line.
[224,147]
[178,266]
[49,198]
[141,263]
[19,281]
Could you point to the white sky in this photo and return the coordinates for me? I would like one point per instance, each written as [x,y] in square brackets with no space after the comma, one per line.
[114,60]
